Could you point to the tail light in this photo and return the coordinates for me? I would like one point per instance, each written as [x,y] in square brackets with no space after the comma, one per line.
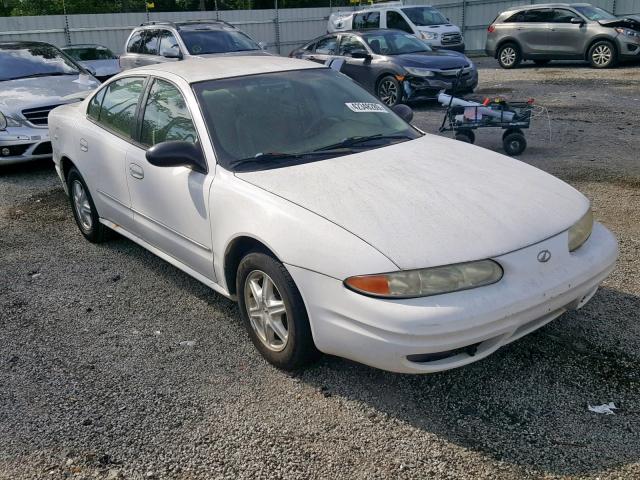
[491,28]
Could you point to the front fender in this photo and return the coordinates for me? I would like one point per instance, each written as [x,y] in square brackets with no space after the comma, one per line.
[294,234]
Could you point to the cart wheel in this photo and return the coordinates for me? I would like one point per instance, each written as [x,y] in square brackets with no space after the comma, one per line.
[466,136]
[514,143]
[509,131]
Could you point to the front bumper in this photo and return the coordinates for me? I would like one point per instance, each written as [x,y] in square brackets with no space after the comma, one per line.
[456,329]
[429,87]
[628,47]
[24,144]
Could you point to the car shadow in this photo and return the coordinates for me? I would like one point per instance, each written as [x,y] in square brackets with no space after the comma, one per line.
[526,405]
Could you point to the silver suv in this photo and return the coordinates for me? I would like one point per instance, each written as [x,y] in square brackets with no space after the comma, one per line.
[160,42]
[562,31]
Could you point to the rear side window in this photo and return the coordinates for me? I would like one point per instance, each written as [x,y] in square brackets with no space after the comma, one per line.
[150,42]
[397,21]
[135,43]
[366,20]
[327,46]
[538,16]
[119,105]
[93,111]
[166,116]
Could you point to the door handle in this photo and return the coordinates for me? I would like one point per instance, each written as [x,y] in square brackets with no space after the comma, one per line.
[136,171]
[84,145]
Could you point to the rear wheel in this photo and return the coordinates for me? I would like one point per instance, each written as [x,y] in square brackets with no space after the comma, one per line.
[602,54]
[273,312]
[509,55]
[84,210]
[513,142]
[389,91]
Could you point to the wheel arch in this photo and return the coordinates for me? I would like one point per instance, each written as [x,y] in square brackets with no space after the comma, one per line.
[236,249]
[66,164]
[504,41]
[600,38]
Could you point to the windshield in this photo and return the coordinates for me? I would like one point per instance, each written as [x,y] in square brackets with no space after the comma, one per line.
[22,61]
[258,121]
[203,41]
[84,54]
[394,43]
[595,13]
[425,16]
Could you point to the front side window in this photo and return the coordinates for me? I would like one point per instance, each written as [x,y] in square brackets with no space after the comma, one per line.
[560,15]
[366,20]
[395,43]
[278,119]
[327,46]
[397,21]
[119,105]
[204,40]
[166,116]
[594,13]
[425,16]
[350,43]
[168,43]
[34,60]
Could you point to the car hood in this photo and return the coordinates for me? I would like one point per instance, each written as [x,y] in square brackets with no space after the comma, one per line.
[439,59]
[16,95]
[445,28]
[258,53]
[632,22]
[431,201]
[103,68]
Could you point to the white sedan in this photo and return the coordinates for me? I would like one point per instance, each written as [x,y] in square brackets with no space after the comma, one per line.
[337,226]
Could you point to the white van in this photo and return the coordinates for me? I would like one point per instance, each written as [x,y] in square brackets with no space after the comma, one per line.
[425,22]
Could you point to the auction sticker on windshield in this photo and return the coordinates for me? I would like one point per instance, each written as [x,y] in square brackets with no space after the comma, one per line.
[366,107]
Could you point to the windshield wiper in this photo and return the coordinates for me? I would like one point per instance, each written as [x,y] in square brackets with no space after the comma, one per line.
[271,158]
[35,75]
[353,141]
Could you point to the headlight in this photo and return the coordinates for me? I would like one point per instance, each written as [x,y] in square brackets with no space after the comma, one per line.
[8,122]
[429,35]
[580,231]
[427,281]
[628,32]
[420,72]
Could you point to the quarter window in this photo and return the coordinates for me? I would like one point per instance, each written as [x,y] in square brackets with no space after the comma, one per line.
[166,116]
[366,20]
[118,112]
[93,111]
[397,21]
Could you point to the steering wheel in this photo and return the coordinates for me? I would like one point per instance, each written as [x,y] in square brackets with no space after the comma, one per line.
[320,122]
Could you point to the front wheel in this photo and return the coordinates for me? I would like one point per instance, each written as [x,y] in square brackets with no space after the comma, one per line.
[389,91]
[273,312]
[602,54]
[514,142]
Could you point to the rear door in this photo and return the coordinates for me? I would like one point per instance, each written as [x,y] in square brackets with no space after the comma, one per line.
[533,33]
[103,147]
[170,204]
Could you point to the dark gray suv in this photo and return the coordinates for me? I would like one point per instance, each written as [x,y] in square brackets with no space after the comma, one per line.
[562,31]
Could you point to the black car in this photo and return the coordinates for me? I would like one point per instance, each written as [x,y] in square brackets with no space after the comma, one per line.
[392,64]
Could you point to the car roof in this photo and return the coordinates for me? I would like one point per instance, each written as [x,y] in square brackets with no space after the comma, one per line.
[83,45]
[546,5]
[202,69]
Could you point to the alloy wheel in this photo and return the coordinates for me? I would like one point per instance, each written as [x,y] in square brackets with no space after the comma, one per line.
[388,92]
[508,56]
[602,55]
[266,310]
[81,205]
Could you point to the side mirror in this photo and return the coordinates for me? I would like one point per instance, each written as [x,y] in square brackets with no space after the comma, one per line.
[173,52]
[360,54]
[177,154]
[403,111]
[577,21]
[262,45]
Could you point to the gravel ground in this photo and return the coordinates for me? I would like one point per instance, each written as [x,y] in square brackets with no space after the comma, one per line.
[95,381]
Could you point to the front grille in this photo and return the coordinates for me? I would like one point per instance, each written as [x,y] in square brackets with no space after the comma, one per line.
[451,38]
[43,149]
[13,150]
[39,115]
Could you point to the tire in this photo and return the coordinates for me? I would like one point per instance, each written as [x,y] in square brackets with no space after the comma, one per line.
[83,208]
[466,136]
[389,91]
[514,143]
[292,346]
[602,54]
[541,63]
[509,55]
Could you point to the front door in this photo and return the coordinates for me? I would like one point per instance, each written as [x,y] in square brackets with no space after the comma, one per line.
[566,39]
[170,204]
[357,68]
